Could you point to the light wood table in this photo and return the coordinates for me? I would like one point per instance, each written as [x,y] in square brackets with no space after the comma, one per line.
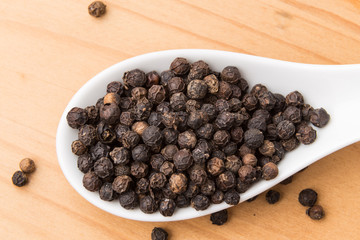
[49,49]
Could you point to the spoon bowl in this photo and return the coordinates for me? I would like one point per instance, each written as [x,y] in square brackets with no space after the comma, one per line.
[333,87]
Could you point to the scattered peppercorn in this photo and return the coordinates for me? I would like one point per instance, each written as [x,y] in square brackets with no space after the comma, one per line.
[19,178]
[159,234]
[315,212]
[97,9]
[27,165]
[272,196]
[307,197]
[219,218]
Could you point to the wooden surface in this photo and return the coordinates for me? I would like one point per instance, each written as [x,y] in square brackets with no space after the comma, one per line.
[49,49]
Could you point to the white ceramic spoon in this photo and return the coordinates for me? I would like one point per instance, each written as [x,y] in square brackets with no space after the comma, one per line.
[336,88]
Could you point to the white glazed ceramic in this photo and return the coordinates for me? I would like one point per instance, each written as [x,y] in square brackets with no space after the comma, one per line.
[336,88]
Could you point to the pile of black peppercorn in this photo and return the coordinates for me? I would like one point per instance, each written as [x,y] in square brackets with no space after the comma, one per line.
[186,136]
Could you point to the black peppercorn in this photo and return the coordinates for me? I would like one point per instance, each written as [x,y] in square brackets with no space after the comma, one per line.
[134,78]
[187,139]
[142,109]
[217,197]
[257,123]
[130,139]
[178,183]
[167,193]
[196,89]
[252,199]
[140,153]
[236,92]
[104,167]
[253,138]
[182,201]
[92,113]
[192,105]
[206,131]
[156,160]
[241,186]
[120,155]
[306,134]
[198,70]
[138,93]
[285,129]
[221,105]
[157,180]
[19,179]
[247,174]
[180,66]
[225,120]
[76,117]
[97,9]
[316,212]
[243,150]
[129,200]
[170,135]
[148,204]
[78,148]
[231,197]
[219,218]
[272,196]
[115,87]
[269,171]
[175,85]
[152,136]
[231,74]
[209,111]
[167,207]
[183,159]
[120,130]
[91,181]
[221,137]
[156,94]
[127,118]
[208,188]
[85,162]
[235,104]
[99,150]
[142,186]
[319,117]
[200,202]
[122,183]
[237,134]
[152,78]
[249,159]
[198,175]
[267,100]
[230,149]
[201,151]
[287,181]
[289,144]
[167,168]
[215,166]
[111,98]
[250,102]
[226,181]
[294,99]
[139,169]
[225,90]
[270,133]
[87,135]
[110,113]
[232,163]
[307,197]
[165,76]
[292,114]
[159,234]
[267,149]
[126,103]
[257,89]
[106,192]
[105,133]
[178,101]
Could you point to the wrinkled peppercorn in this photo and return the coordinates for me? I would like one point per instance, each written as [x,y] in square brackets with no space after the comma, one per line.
[122,183]
[85,162]
[106,192]
[225,120]
[130,139]
[183,159]
[249,159]
[243,150]
[167,207]
[78,148]
[129,200]
[103,167]
[120,155]
[269,171]
[289,144]
[307,197]
[247,174]
[285,129]
[152,78]
[208,188]
[221,105]
[221,137]
[198,70]
[253,138]
[209,110]
[178,183]
[105,133]
[217,197]
[156,94]
[142,186]
[156,160]
[241,186]
[140,153]
[178,101]
[249,102]
[215,166]
[316,212]
[226,181]
[139,169]
[91,181]
[319,117]
[142,109]
[231,197]
[180,66]
[97,9]
[182,201]
[306,135]
[134,78]
[120,130]
[272,196]
[225,90]
[169,151]
[232,163]
[87,135]
[170,135]
[230,149]
[167,168]
[231,74]
[176,85]
[19,179]
[212,83]
[219,218]
[115,87]
[294,99]
[159,234]
[76,117]
[187,139]
[157,180]
[267,149]
[165,76]
[200,202]
[292,114]
[112,98]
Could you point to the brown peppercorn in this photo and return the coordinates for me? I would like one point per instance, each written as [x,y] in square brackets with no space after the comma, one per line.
[122,183]
[91,181]
[170,135]
[187,139]
[112,98]
[165,76]
[27,165]
[93,114]
[76,117]
[269,171]
[183,159]
[253,138]
[306,110]
[237,134]
[226,181]
[104,167]
[192,105]
[126,103]
[195,119]
[78,148]
[97,9]
[294,99]
[180,66]
[152,78]
[129,200]
[219,218]
[139,169]
[106,192]
[289,144]
[115,87]
[121,169]
[157,94]
[110,113]
[127,118]
[130,139]
[105,133]
[178,183]
[142,186]
[257,89]
[236,92]
[316,212]
[232,163]
[87,134]
[319,117]
[225,90]
[85,162]
[249,159]
[247,174]
[202,151]
[213,83]
[231,74]
[178,101]
[157,180]
[306,134]
[196,89]
[139,127]
[209,111]
[138,93]
[235,104]
[243,150]
[285,129]
[221,138]
[215,166]
[198,175]
[167,168]
[208,188]
[134,78]
[267,149]
[241,186]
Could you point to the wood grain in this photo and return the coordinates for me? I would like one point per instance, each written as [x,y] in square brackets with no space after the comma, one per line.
[49,49]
